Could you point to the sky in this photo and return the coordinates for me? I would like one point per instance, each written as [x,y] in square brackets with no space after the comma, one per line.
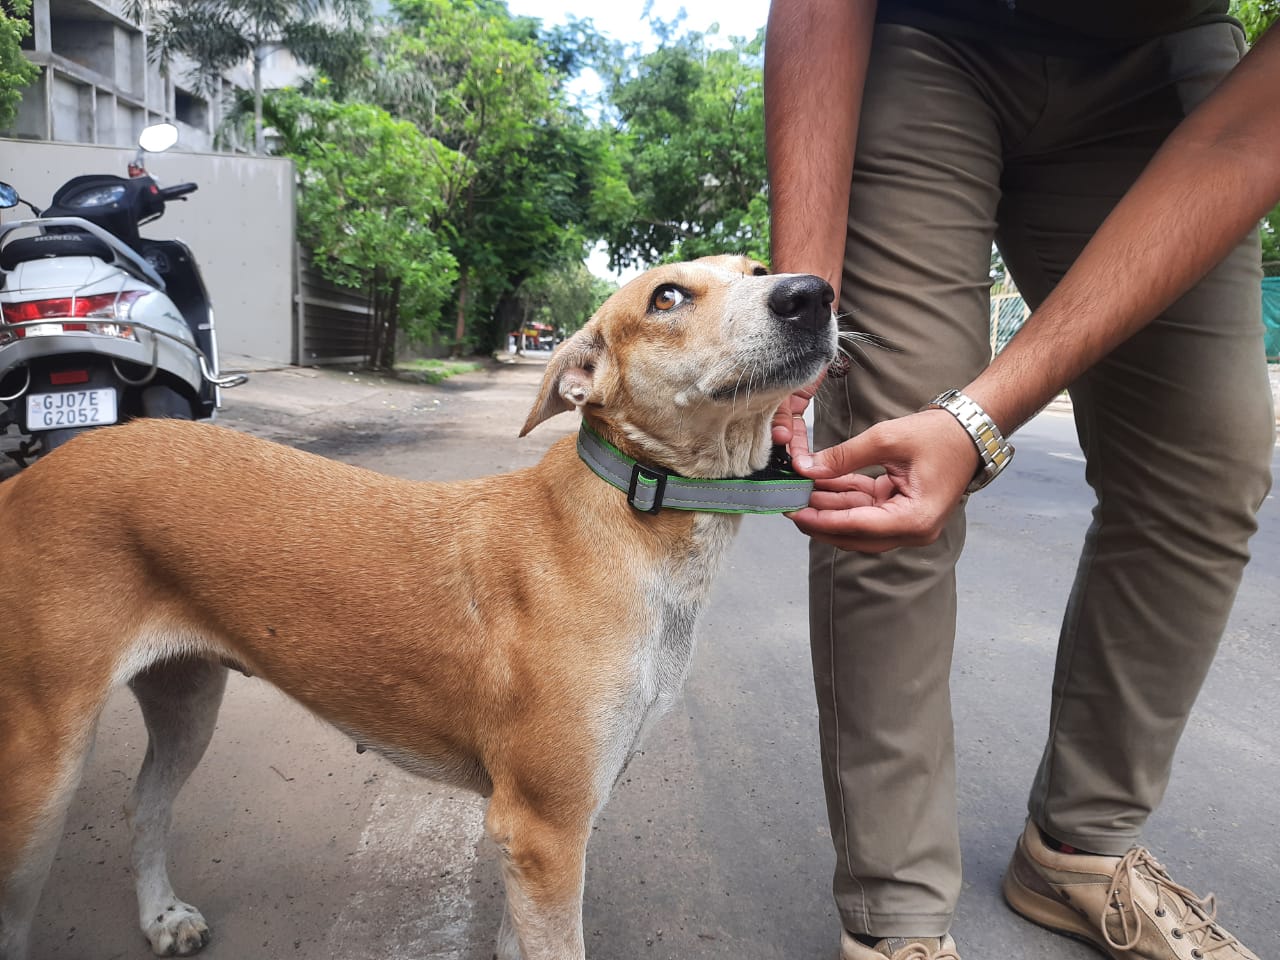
[621,19]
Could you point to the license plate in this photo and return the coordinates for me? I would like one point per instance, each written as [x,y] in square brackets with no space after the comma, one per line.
[71,408]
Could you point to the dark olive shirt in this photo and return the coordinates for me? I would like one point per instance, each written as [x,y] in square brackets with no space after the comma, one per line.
[1063,27]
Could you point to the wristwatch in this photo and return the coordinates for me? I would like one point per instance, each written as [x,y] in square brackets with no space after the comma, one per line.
[994,451]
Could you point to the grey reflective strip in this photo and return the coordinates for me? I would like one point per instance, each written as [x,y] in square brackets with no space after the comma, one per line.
[739,495]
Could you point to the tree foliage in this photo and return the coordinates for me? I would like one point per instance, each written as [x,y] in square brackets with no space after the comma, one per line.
[16,71]
[538,177]
[1255,15]
[369,208]
[218,35]
[563,298]
[690,120]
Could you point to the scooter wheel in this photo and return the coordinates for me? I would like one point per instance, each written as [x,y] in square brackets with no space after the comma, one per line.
[165,403]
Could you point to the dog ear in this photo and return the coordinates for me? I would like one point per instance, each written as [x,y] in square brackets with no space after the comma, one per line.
[569,379]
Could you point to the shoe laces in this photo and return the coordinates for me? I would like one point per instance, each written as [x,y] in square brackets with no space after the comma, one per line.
[1197,916]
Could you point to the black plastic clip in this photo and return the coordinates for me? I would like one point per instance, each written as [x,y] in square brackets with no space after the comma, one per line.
[653,475]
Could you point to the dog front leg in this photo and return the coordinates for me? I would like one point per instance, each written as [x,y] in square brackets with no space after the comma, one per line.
[42,758]
[41,762]
[508,947]
[543,866]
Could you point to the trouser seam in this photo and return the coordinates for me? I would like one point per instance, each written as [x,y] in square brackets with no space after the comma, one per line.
[835,720]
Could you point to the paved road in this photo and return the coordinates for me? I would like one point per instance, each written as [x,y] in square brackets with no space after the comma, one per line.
[715,845]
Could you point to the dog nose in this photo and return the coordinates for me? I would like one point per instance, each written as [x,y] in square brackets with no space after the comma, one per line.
[805,300]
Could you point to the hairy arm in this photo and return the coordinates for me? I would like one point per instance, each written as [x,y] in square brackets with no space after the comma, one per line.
[1210,182]
[815,63]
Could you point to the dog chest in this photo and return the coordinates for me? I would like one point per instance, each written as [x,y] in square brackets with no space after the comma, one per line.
[673,596]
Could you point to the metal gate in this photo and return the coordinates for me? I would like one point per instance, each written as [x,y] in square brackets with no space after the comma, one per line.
[332,322]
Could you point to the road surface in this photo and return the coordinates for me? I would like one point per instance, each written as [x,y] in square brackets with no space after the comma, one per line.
[715,844]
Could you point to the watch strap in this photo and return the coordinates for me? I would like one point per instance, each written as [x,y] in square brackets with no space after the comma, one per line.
[994,451]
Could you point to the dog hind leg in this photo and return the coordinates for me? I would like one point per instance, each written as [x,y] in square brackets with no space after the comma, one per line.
[179,701]
[543,869]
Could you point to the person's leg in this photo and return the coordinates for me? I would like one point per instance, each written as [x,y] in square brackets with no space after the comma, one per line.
[1177,428]
[916,274]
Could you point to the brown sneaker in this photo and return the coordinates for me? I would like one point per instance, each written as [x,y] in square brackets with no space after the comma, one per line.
[1128,907]
[898,948]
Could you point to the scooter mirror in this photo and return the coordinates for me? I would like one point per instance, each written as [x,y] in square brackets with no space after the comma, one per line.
[158,137]
[8,196]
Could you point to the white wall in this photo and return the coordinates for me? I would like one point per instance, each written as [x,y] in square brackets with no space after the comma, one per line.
[239,225]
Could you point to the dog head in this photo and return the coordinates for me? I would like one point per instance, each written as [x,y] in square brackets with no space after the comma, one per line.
[686,363]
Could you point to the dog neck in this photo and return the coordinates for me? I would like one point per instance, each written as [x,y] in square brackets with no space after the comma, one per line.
[650,489]
[736,447]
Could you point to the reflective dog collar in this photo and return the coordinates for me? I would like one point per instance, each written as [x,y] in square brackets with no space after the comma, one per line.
[774,489]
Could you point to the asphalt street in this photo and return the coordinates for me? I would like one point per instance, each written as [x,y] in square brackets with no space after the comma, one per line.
[715,845]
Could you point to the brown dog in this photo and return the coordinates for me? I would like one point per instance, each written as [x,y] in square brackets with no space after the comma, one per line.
[462,638]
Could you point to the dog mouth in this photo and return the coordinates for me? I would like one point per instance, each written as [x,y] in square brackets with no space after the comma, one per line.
[780,377]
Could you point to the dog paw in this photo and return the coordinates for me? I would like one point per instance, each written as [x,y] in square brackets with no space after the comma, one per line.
[177,931]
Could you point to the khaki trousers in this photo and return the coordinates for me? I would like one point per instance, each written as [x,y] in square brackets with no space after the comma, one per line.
[962,142]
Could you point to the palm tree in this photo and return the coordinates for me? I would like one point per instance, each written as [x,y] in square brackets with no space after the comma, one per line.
[220,34]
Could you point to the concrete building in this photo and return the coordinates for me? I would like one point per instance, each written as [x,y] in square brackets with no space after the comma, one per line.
[99,88]
[97,85]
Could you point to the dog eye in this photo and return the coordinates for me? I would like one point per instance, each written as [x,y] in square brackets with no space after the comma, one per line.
[667,297]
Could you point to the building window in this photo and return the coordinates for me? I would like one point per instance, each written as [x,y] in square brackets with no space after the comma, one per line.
[190,109]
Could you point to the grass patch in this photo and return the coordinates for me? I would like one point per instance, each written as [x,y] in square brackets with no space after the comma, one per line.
[434,371]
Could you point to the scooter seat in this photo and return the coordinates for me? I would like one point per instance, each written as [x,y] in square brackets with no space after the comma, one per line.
[22,249]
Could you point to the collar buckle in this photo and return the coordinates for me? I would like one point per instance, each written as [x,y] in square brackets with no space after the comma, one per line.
[647,480]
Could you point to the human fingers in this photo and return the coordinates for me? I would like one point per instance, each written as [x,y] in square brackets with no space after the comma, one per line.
[844,459]
[862,527]
[788,420]
[927,462]
[783,426]
[876,487]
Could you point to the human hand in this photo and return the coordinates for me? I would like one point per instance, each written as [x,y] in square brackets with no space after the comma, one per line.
[788,428]
[928,460]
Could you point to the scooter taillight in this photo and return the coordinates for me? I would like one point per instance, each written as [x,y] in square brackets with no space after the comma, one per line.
[32,318]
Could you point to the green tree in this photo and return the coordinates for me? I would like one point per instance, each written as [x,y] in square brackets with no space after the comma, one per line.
[1255,15]
[16,71]
[563,298]
[369,208]
[690,121]
[537,212]
[538,176]
[220,34]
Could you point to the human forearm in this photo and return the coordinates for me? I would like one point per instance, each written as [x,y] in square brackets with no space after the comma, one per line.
[1211,181]
[815,63]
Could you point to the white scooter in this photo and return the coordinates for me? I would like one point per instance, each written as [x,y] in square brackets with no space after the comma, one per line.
[100,324]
